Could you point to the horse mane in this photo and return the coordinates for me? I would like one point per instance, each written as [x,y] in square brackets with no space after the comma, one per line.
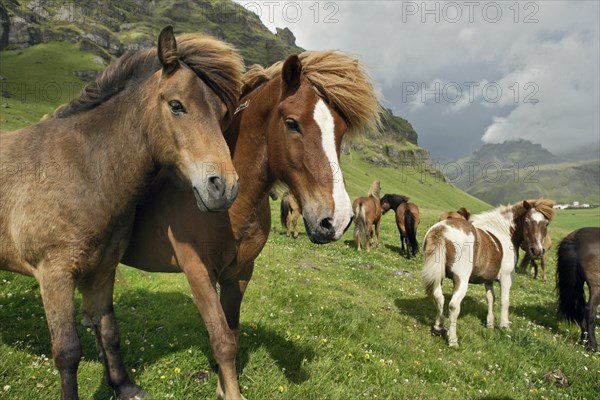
[497,218]
[215,62]
[374,189]
[338,78]
[544,206]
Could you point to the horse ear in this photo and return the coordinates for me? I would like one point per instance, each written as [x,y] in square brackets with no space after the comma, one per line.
[290,73]
[167,49]
[464,212]
[526,205]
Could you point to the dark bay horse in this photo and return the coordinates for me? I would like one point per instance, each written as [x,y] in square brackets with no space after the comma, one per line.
[367,214]
[70,184]
[480,251]
[407,220]
[579,263]
[289,127]
[290,212]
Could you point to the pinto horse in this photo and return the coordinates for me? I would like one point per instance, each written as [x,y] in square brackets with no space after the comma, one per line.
[290,211]
[579,263]
[480,251]
[157,108]
[367,213]
[407,220]
[289,127]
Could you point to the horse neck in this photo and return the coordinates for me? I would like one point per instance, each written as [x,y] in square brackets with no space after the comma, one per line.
[395,203]
[250,155]
[501,222]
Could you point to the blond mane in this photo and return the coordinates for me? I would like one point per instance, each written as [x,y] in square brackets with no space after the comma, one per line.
[375,189]
[215,62]
[338,78]
[544,206]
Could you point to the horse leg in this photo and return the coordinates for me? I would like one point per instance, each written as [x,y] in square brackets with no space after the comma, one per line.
[287,224]
[97,306]
[543,262]
[438,299]
[490,297]
[590,319]
[368,234]
[222,338]
[460,290]
[232,294]
[505,284]
[377,233]
[295,222]
[534,268]
[57,288]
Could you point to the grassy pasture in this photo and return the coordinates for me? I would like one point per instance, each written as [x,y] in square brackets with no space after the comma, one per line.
[320,322]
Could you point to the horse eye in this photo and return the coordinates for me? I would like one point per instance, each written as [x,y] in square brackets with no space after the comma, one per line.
[176,107]
[292,125]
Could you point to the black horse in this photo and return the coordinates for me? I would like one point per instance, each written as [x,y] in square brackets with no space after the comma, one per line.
[579,262]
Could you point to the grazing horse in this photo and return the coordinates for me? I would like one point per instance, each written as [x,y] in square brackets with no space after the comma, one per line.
[579,263]
[367,213]
[530,259]
[289,127]
[407,220]
[290,211]
[480,251]
[157,108]
[462,213]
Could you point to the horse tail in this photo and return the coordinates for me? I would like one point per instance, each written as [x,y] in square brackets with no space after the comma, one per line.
[434,260]
[285,209]
[360,225]
[570,280]
[409,226]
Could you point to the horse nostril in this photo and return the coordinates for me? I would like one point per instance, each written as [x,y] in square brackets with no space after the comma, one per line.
[216,187]
[326,224]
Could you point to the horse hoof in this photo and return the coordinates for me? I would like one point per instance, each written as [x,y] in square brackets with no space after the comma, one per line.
[454,345]
[439,331]
[140,395]
[490,325]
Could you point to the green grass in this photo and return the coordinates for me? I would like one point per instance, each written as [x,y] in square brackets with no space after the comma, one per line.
[38,79]
[320,322]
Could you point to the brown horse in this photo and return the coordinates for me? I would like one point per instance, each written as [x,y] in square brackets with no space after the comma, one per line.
[480,251]
[579,263]
[530,259]
[68,229]
[461,213]
[407,220]
[290,211]
[289,127]
[367,213]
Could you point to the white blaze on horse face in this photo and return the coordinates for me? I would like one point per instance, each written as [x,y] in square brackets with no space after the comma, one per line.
[537,216]
[342,205]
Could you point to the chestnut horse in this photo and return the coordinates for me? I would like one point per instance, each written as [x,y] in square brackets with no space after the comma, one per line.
[407,220]
[461,213]
[579,263]
[290,211]
[530,258]
[480,251]
[289,127]
[367,213]
[150,109]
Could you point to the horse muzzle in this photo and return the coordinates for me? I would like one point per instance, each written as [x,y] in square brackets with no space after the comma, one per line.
[214,194]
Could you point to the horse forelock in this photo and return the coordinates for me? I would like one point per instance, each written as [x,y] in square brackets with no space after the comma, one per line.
[339,79]
[213,61]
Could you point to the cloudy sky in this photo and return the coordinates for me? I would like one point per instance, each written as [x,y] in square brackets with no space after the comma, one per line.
[467,72]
